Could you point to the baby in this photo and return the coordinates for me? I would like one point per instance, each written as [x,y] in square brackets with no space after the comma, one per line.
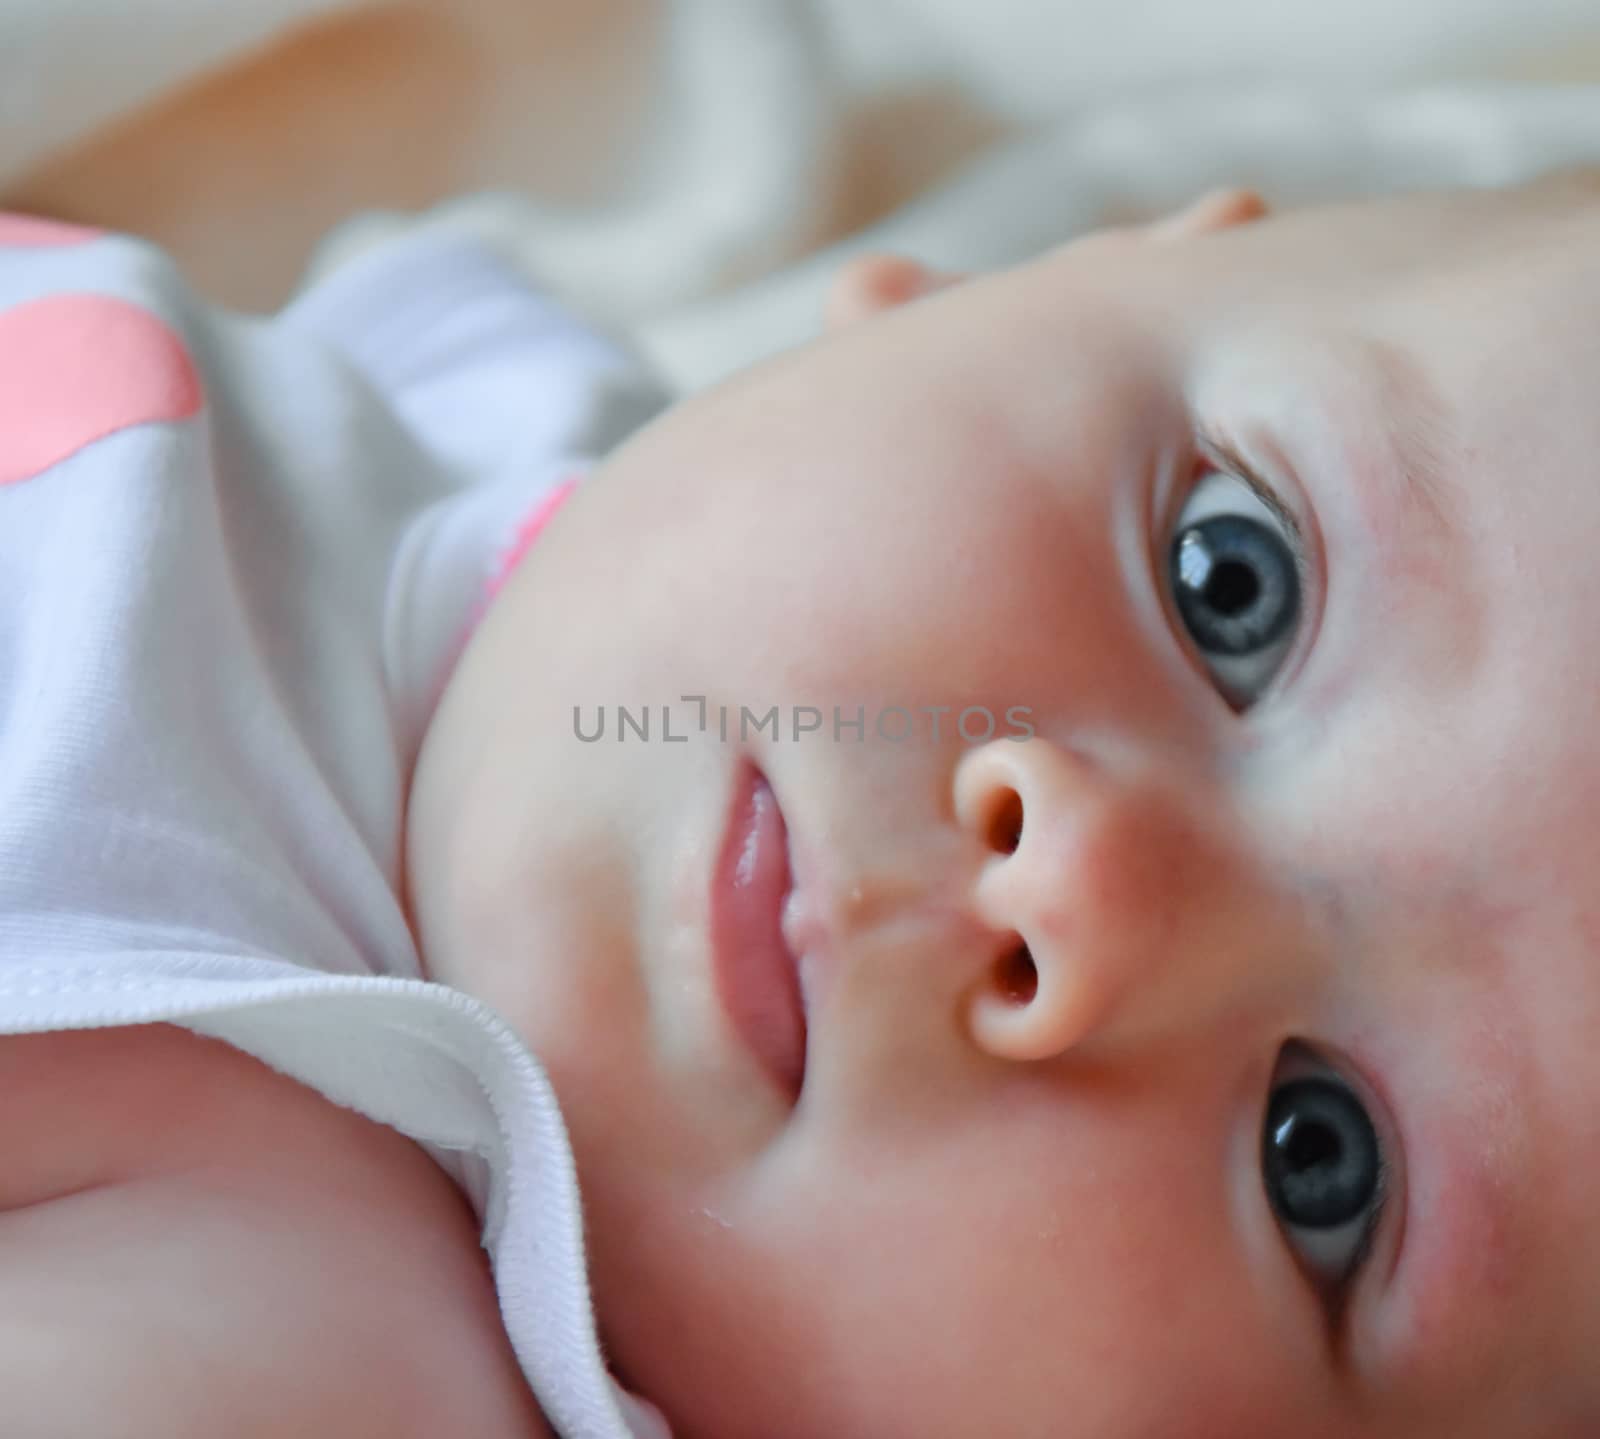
[1045,843]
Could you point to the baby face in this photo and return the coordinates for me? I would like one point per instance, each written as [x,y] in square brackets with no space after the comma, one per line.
[1143,979]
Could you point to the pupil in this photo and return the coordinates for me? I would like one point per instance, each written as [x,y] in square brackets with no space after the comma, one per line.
[1320,1159]
[1235,585]
[1310,1145]
[1232,587]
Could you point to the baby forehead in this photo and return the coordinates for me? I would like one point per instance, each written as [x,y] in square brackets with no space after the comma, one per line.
[1460,451]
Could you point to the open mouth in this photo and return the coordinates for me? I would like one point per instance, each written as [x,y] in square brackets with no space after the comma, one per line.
[755,972]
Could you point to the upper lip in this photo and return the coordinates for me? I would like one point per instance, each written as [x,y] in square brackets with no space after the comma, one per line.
[755,970]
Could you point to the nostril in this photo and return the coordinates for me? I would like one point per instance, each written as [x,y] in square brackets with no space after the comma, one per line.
[1005,824]
[1016,976]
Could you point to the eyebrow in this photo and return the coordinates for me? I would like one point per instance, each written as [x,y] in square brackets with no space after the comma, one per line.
[1421,430]
[1388,396]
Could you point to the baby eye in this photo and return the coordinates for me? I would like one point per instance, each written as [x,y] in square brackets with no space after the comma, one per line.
[1234,569]
[1325,1174]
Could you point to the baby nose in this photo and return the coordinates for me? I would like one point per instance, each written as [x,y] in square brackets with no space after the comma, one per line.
[1091,872]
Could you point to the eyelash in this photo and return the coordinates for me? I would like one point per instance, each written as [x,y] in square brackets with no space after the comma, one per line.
[1369,1235]
[1291,525]
[1215,452]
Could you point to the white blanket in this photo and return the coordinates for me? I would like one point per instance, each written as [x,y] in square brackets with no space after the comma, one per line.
[692,169]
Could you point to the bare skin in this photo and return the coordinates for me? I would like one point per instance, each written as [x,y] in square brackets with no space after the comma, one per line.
[1056,989]
[179,1258]
[999,1207]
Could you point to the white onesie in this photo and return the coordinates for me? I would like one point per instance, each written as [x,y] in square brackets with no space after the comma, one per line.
[238,557]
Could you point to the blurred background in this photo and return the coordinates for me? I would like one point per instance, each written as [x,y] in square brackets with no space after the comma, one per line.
[691,171]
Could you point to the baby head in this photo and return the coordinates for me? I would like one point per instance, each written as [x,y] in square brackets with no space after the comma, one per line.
[1048,842]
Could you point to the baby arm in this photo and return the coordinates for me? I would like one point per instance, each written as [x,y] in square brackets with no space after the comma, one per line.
[194,1245]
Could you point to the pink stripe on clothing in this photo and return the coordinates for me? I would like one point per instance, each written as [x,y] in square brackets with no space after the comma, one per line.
[29,232]
[528,531]
[76,368]
[521,542]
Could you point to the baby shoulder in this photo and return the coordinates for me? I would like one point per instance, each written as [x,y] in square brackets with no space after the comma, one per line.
[192,1244]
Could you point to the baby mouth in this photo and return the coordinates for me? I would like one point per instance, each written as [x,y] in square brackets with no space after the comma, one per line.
[755,972]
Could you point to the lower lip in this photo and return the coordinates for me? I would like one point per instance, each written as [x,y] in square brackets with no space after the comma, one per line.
[755,973]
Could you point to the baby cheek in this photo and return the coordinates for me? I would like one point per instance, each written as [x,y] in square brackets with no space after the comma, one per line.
[1019,604]
[1447,1326]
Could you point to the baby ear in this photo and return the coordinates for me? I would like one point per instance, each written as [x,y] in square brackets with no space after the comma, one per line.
[870,283]
[1215,210]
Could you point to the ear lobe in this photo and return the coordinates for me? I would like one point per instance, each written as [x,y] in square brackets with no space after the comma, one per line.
[870,283]
[1215,210]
